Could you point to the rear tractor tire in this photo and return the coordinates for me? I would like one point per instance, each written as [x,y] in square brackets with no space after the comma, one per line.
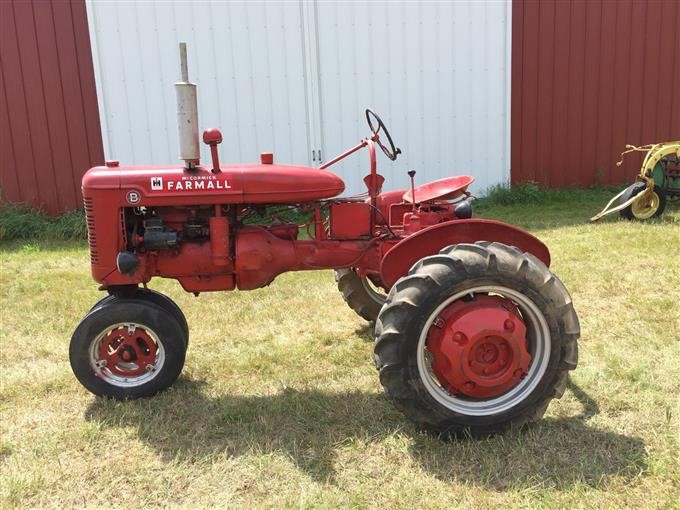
[360,294]
[476,340]
[127,348]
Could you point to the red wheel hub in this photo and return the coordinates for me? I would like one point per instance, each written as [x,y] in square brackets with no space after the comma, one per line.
[479,347]
[127,351]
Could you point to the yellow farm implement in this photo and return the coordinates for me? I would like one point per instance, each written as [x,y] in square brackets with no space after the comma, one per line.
[658,180]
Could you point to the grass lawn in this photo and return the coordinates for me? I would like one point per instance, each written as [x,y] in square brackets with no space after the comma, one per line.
[279,404]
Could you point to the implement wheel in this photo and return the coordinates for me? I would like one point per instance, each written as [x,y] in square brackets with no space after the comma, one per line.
[476,340]
[646,207]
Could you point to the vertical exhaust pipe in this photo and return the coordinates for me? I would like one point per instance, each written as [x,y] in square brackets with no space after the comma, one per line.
[187,113]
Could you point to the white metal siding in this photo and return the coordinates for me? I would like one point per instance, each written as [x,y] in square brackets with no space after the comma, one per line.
[291,77]
[436,74]
[246,58]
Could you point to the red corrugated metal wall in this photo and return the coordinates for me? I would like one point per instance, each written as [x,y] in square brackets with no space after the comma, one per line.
[587,78]
[49,118]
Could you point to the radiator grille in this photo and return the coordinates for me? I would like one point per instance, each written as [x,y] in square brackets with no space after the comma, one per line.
[123,233]
[91,236]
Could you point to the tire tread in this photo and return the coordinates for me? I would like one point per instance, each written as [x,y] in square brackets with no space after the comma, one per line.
[431,276]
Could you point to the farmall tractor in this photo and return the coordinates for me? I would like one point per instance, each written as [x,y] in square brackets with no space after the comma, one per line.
[473,332]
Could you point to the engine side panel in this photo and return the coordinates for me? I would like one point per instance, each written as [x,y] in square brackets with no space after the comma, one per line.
[350,220]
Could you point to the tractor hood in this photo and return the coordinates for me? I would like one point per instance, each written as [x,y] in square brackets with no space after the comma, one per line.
[235,184]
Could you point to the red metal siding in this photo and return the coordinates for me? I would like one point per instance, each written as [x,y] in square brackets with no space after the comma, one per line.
[49,118]
[588,77]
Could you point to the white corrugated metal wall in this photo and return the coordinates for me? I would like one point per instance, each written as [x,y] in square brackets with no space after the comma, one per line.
[293,77]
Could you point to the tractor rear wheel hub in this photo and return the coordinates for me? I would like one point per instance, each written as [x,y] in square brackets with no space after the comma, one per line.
[479,347]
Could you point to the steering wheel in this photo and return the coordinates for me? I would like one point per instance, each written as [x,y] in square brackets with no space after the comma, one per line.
[393,151]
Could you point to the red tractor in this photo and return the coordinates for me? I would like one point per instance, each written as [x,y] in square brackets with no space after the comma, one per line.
[472,330]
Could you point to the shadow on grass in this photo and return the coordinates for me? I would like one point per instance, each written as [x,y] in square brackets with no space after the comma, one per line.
[365,331]
[311,426]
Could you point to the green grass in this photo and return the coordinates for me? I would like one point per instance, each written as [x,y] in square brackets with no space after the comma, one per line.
[22,222]
[279,404]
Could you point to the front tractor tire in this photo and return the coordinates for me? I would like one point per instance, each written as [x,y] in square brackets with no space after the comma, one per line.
[127,348]
[359,294]
[476,340]
[151,296]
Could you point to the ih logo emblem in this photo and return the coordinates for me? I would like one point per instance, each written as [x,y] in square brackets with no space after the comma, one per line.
[156,183]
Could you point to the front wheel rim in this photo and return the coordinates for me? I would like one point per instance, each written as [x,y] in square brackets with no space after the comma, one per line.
[539,340]
[126,355]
